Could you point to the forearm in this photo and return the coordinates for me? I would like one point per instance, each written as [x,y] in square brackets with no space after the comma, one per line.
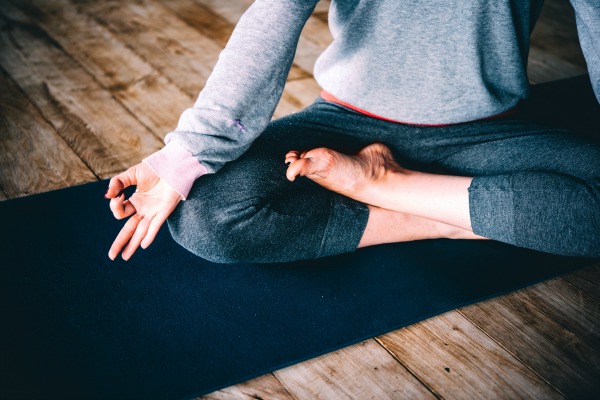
[240,96]
[246,84]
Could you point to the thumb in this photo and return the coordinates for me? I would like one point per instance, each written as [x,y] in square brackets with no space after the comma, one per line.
[121,181]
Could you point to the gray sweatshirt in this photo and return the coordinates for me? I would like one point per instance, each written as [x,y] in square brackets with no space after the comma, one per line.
[415,61]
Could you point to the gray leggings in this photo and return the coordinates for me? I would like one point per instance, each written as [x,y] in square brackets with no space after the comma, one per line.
[534,187]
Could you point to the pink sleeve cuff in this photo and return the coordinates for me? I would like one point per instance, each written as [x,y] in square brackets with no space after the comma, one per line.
[177,166]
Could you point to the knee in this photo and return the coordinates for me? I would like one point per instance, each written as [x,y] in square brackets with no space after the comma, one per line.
[220,234]
[582,235]
[591,219]
[579,233]
[592,239]
[588,246]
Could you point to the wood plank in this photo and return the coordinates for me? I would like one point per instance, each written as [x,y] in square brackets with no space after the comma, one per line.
[150,97]
[164,41]
[137,24]
[33,157]
[102,133]
[323,16]
[322,6]
[586,279]
[322,10]
[545,67]
[317,33]
[555,52]
[263,387]
[456,360]
[230,10]
[361,371]
[313,40]
[556,33]
[553,327]
[297,95]
[215,27]
[95,48]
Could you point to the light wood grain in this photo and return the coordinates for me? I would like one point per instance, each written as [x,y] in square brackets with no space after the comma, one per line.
[92,46]
[264,387]
[553,328]
[215,27]
[456,360]
[186,48]
[556,33]
[555,53]
[230,10]
[545,67]
[362,371]
[102,133]
[154,100]
[163,40]
[33,157]
[313,40]
[322,6]
[297,95]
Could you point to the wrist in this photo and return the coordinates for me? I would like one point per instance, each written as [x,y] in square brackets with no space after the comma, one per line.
[177,167]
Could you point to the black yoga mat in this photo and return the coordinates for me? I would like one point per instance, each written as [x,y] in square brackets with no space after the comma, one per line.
[170,325]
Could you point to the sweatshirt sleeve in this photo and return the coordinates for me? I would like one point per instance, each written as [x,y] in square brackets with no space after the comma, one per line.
[239,97]
[587,16]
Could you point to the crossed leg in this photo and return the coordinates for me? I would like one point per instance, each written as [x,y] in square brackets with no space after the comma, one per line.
[530,186]
[506,180]
[426,206]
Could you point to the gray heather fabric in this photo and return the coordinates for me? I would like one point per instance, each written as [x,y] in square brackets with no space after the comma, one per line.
[425,62]
[535,187]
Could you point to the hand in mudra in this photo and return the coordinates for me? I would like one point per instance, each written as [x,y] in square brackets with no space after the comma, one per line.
[150,205]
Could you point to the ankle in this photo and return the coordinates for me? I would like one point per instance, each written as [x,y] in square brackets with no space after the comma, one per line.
[385,190]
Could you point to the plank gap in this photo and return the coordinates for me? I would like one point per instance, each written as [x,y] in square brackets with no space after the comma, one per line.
[35,157]
[552,325]
[410,371]
[526,365]
[266,386]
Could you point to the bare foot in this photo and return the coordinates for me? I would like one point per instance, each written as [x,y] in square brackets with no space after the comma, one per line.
[373,177]
[352,176]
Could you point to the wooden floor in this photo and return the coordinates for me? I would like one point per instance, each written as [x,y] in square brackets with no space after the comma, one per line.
[88,88]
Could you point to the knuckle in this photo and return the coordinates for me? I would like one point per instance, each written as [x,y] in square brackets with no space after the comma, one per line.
[117,213]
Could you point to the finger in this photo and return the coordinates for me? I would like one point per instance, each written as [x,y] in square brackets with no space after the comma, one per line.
[124,235]
[153,229]
[121,208]
[136,239]
[120,182]
[291,158]
[299,167]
